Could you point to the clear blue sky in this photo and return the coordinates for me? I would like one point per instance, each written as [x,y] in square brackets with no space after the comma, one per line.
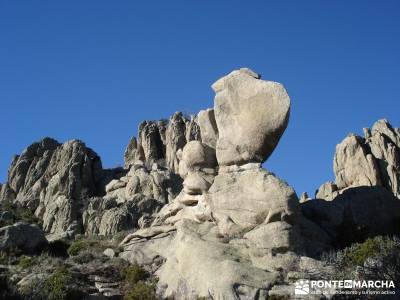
[93,70]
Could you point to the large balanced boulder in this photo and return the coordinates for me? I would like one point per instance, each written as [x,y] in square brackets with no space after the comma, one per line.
[251,115]
[25,237]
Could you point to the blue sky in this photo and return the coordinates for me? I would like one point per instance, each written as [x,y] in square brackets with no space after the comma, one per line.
[93,70]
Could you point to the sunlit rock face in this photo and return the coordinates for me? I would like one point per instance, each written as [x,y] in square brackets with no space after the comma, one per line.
[251,116]
[234,225]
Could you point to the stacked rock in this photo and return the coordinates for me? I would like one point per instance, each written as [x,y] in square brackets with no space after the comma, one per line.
[234,225]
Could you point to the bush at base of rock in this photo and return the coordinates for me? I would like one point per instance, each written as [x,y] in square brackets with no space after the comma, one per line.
[25,262]
[141,291]
[133,274]
[375,259]
[59,286]
[80,245]
[83,257]
[137,283]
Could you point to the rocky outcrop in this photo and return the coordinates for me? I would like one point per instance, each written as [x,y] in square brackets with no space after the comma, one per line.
[53,180]
[327,191]
[159,141]
[372,160]
[193,132]
[235,226]
[132,153]
[353,165]
[65,186]
[25,237]
[367,172]
[131,201]
[175,139]
[151,136]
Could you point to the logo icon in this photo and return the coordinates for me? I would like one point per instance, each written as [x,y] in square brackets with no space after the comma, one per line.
[302,287]
[348,284]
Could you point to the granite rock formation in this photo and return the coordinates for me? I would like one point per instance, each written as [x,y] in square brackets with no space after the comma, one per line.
[251,116]
[204,216]
[53,180]
[159,141]
[372,160]
[65,186]
[234,226]
[366,189]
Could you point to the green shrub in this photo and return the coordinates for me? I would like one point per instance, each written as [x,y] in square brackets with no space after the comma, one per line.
[25,262]
[358,254]
[60,286]
[141,291]
[79,245]
[83,257]
[375,259]
[134,273]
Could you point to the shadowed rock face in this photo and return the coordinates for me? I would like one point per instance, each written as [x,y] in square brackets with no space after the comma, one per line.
[25,237]
[356,214]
